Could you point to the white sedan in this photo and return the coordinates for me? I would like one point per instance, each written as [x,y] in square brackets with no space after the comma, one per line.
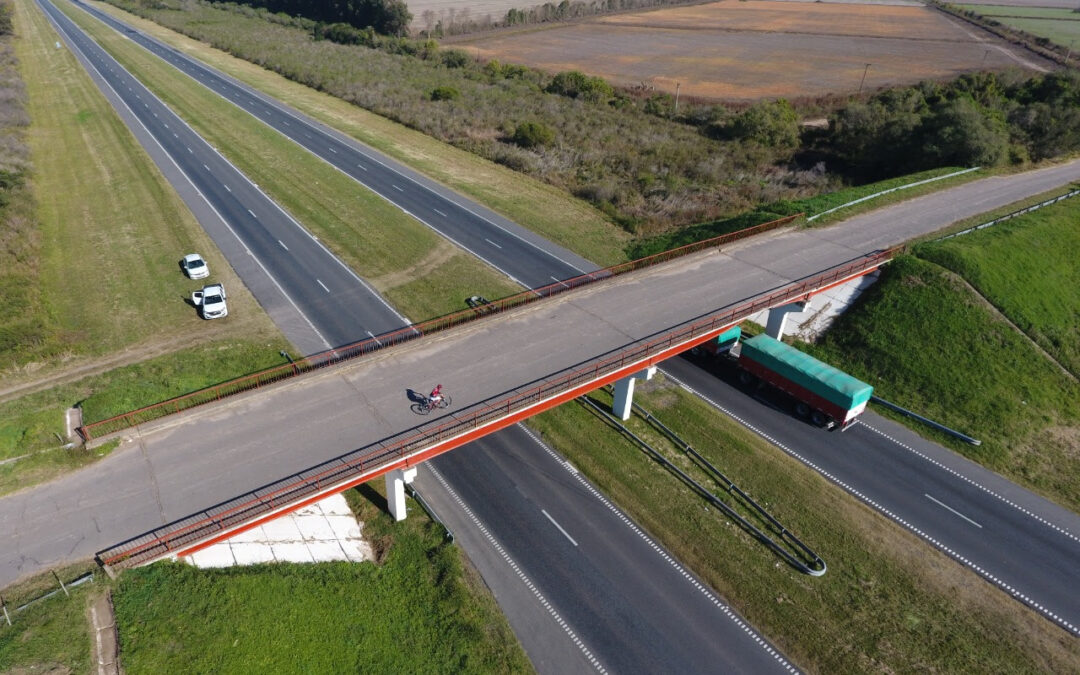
[211,301]
[194,266]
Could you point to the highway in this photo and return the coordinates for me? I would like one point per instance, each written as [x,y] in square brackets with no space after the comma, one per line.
[1021,543]
[599,610]
[518,253]
[773,260]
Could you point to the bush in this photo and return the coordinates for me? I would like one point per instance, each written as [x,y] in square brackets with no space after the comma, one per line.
[455,58]
[772,124]
[445,94]
[533,134]
[576,84]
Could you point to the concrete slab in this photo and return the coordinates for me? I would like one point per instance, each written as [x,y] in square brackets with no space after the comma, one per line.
[282,529]
[252,554]
[344,527]
[292,552]
[325,551]
[255,534]
[315,528]
[214,556]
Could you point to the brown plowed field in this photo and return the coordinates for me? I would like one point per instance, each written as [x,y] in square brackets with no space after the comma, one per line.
[761,49]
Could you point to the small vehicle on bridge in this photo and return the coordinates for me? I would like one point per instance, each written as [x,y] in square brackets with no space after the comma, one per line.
[826,396]
[211,301]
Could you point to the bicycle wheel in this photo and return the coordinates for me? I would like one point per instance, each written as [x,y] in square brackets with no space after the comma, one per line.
[445,402]
[420,408]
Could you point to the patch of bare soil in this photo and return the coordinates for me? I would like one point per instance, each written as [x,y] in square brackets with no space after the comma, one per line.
[442,252]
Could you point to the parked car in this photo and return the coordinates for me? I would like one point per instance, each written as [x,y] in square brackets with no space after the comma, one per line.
[211,301]
[194,266]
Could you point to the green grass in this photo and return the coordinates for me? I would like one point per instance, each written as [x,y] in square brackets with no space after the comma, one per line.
[1055,24]
[544,209]
[31,423]
[53,635]
[1027,268]
[927,343]
[373,237]
[888,603]
[418,610]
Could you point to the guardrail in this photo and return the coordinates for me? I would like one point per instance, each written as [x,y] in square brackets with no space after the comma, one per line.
[357,349]
[365,463]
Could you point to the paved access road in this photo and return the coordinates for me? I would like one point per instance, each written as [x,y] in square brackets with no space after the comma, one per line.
[1025,545]
[520,254]
[335,302]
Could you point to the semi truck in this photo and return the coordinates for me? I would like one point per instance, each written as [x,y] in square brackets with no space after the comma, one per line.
[828,397]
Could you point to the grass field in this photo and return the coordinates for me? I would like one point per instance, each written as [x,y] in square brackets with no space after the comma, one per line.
[112,232]
[53,635]
[542,208]
[1027,268]
[1056,24]
[888,603]
[418,610]
[926,342]
[373,237]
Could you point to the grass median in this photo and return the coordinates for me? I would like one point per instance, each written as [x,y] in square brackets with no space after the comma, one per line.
[888,603]
[544,209]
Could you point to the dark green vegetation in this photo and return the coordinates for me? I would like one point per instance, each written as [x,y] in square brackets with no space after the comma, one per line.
[625,151]
[417,610]
[888,603]
[926,341]
[52,635]
[389,17]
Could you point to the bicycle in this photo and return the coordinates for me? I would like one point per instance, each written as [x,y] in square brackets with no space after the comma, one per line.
[426,406]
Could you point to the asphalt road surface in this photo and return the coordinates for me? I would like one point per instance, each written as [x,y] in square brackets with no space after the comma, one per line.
[336,303]
[1021,543]
[520,254]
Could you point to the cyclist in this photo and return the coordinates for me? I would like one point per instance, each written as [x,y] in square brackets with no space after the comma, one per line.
[436,396]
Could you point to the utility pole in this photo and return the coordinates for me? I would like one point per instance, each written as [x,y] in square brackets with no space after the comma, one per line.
[679,84]
[863,78]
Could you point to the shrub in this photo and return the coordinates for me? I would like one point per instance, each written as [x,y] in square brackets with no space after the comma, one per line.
[533,134]
[445,94]
[455,58]
[576,84]
[772,124]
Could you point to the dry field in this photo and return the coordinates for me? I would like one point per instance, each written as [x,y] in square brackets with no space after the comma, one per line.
[760,49]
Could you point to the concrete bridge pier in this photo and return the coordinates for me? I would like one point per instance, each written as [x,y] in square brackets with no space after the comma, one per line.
[396,481]
[777,322]
[624,392]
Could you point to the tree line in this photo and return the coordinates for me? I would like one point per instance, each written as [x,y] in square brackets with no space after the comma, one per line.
[388,17]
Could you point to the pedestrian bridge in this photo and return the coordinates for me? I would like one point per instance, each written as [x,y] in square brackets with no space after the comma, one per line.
[500,368]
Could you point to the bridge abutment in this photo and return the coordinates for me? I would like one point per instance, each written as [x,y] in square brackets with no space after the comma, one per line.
[624,392]
[778,316]
[396,481]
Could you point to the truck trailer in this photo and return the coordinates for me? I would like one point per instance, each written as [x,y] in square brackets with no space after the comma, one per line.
[827,396]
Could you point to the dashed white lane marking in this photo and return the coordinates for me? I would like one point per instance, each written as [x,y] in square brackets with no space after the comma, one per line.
[205,167]
[517,570]
[492,243]
[286,123]
[362,167]
[190,150]
[985,489]
[333,150]
[1000,583]
[701,588]
[227,187]
[553,522]
[949,508]
[283,245]
[397,188]
[439,212]
[318,281]
[252,213]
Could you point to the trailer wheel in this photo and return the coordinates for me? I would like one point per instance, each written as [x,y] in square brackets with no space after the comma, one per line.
[819,418]
[802,410]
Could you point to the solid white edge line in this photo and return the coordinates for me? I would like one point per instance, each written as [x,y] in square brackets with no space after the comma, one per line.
[565,533]
[517,570]
[946,506]
[955,555]
[88,62]
[277,105]
[667,557]
[289,216]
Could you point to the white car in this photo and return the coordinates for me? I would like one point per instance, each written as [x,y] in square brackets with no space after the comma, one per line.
[194,266]
[211,301]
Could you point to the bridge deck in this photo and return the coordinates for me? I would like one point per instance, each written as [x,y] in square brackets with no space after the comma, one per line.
[166,471]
